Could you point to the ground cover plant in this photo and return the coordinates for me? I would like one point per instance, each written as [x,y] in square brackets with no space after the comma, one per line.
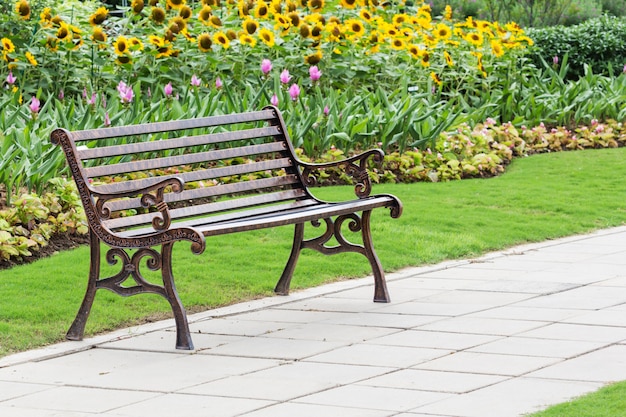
[531,202]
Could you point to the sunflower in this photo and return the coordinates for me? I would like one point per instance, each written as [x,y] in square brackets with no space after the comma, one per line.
[153,3]
[282,22]
[99,36]
[475,38]
[316,31]
[414,50]
[316,5]
[157,15]
[215,22]
[137,6]
[243,8]
[204,42]
[354,26]
[435,78]
[267,37]
[398,44]
[313,59]
[425,59]
[185,12]
[448,59]
[156,41]
[400,19]
[221,38]
[262,10]
[52,43]
[178,21]
[496,48]
[135,44]
[175,4]
[366,15]
[294,18]
[291,6]
[442,31]
[245,39]
[123,60]
[447,13]
[31,59]
[348,4]
[45,17]
[250,25]
[64,33]
[7,46]
[231,34]
[99,16]
[120,45]
[22,8]
[205,14]
[305,30]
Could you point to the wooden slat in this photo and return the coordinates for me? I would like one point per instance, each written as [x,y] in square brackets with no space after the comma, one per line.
[216,207]
[200,175]
[182,142]
[115,132]
[214,191]
[187,159]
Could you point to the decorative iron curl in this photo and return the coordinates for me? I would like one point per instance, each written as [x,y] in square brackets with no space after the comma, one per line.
[333,228]
[131,268]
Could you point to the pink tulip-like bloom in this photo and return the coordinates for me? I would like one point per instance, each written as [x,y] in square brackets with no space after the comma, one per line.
[274,100]
[195,81]
[266,66]
[294,91]
[61,95]
[107,120]
[126,92]
[168,90]
[314,73]
[326,110]
[92,100]
[35,105]
[555,60]
[285,77]
[218,83]
[11,79]
[624,69]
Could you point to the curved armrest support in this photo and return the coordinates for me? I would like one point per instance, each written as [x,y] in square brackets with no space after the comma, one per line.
[147,199]
[355,166]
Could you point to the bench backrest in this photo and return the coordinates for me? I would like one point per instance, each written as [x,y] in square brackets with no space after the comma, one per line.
[229,163]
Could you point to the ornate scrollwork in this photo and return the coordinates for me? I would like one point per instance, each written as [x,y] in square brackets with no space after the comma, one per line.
[355,167]
[131,267]
[334,228]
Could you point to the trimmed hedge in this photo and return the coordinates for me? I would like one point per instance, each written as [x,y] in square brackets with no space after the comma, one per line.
[599,43]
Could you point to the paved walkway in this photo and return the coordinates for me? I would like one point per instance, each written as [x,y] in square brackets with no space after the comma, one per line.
[503,335]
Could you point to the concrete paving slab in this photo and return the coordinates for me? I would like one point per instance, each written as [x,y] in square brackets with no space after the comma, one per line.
[501,335]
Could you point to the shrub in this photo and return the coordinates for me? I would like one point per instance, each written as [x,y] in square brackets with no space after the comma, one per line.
[599,43]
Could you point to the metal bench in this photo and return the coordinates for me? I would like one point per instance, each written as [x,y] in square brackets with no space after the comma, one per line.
[173,181]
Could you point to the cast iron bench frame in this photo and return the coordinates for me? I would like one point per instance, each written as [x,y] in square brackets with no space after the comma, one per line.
[279,200]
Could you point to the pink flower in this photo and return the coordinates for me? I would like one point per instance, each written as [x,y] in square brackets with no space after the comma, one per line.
[294,91]
[285,77]
[218,83]
[61,95]
[107,120]
[126,92]
[195,81]
[11,79]
[92,100]
[35,105]
[168,90]
[624,69]
[314,73]
[266,66]
[555,60]
[85,93]
[274,100]
[326,110]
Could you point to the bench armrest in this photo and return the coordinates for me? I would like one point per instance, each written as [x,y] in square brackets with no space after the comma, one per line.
[147,199]
[355,166]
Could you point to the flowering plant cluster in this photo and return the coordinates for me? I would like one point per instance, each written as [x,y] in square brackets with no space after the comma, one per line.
[73,44]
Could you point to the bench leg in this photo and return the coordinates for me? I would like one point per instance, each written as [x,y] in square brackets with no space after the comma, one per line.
[381,295]
[282,287]
[77,329]
[183,336]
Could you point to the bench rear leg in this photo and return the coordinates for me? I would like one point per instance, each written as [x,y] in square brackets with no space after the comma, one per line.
[183,336]
[381,295]
[282,287]
[77,329]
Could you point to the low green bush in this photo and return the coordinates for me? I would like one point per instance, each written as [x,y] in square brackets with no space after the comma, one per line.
[597,43]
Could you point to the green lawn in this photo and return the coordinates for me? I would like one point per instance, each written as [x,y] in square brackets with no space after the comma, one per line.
[609,401]
[538,198]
